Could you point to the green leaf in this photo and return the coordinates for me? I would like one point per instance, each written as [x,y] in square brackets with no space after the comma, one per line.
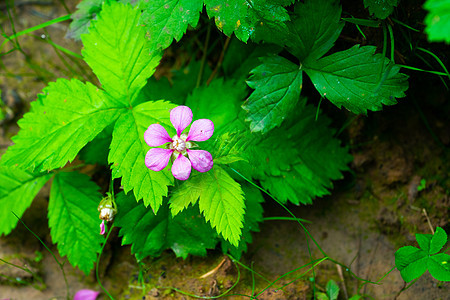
[243,17]
[424,241]
[221,201]
[380,8]
[315,29]
[438,240]
[253,217]
[150,234]
[119,53]
[277,83]
[96,151]
[438,20]
[230,147]
[225,108]
[332,290]
[87,10]
[73,218]
[166,20]
[358,79]
[439,266]
[411,262]
[62,121]
[17,190]
[128,149]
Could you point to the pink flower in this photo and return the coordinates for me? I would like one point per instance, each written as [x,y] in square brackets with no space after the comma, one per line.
[102,227]
[179,145]
[86,295]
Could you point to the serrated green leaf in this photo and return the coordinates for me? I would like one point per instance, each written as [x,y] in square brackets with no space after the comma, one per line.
[87,10]
[221,201]
[253,217]
[119,53]
[411,262]
[438,20]
[315,29]
[332,290]
[439,266]
[62,121]
[128,149]
[277,83]
[243,17]
[224,110]
[380,8]
[73,218]
[230,147]
[150,234]
[166,20]
[438,240]
[358,79]
[17,190]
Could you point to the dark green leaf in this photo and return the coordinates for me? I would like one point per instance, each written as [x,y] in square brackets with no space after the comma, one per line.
[277,83]
[118,52]
[411,262]
[358,79]
[73,218]
[381,8]
[439,266]
[96,151]
[128,149]
[17,190]
[62,121]
[87,10]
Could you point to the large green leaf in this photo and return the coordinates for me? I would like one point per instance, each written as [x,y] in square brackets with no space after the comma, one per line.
[62,121]
[438,20]
[432,243]
[439,266]
[128,149]
[277,83]
[411,262]
[119,53]
[315,29]
[73,218]
[150,234]
[17,190]
[220,198]
[358,79]
[87,10]
[380,8]
[166,20]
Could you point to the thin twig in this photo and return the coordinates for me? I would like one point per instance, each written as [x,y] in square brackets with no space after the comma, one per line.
[219,62]
[428,220]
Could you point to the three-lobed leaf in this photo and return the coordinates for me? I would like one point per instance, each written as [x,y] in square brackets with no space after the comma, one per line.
[128,149]
[119,53]
[62,121]
[73,218]
[358,79]
[438,20]
[277,83]
[17,190]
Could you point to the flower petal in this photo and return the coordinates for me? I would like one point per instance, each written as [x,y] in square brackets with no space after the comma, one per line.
[201,160]
[157,159]
[181,168]
[201,130]
[156,135]
[181,117]
[102,228]
[86,295]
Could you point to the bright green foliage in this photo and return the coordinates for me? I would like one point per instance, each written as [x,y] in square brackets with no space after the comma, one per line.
[62,121]
[358,79]
[229,148]
[297,161]
[73,218]
[17,190]
[253,217]
[220,102]
[166,20]
[332,291]
[128,149]
[438,20]
[150,234]
[380,8]
[87,10]
[315,29]
[221,201]
[277,83]
[413,262]
[128,60]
